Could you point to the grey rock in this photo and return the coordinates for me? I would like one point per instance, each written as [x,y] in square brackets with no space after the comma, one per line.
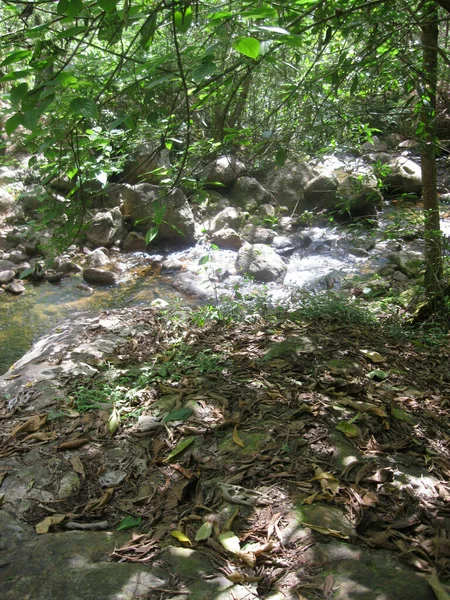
[99,276]
[191,285]
[266,210]
[66,266]
[178,226]
[17,256]
[6,276]
[15,287]
[289,182]
[97,258]
[405,177]
[134,242]
[261,262]
[254,234]
[147,164]
[171,264]
[6,202]
[228,218]
[106,228]
[320,192]
[248,192]
[227,239]
[376,145]
[225,170]
[360,197]
[6,265]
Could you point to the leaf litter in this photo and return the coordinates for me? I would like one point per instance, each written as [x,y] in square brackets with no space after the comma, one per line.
[236,427]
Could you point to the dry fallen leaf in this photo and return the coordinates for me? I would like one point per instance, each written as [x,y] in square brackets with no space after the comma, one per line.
[99,502]
[31,425]
[72,444]
[328,482]
[77,466]
[236,439]
[48,522]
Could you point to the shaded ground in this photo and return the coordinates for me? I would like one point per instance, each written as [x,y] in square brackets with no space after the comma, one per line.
[270,458]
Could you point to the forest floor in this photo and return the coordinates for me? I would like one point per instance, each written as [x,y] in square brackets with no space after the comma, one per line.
[273,457]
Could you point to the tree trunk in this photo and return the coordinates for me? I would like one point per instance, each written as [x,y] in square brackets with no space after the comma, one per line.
[433,246]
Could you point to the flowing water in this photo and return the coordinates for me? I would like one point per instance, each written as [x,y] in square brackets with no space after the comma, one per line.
[333,252]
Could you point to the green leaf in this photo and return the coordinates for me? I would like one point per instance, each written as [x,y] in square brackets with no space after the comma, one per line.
[230,541]
[70,8]
[17,93]
[71,32]
[220,14]
[205,69]
[84,107]
[204,259]
[151,234]
[159,213]
[280,157]
[30,118]
[13,123]
[180,447]
[108,5]
[128,523]
[378,374]
[260,12]
[178,415]
[204,532]
[248,47]
[66,79]
[183,19]
[26,273]
[113,421]
[15,57]
[17,75]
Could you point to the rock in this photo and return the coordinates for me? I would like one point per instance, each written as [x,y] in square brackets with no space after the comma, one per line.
[106,228]
[171,264]
[141,203]
[158,303]
[6,276]
[405,177]
[148,164]
[6,202]
[227,239]
[381,158]
[228,218]
[248,192]
[99,276]
[31,198]
[53,277]
[17,256]
[360,196]
[225,170]
[266,210]
[289,182]
[376,145]
[283,245]
[97,258]
[66,266]
[261,262]
[255,234]
[320,192]
[189,284]
[15,287]
[6,265]
[134,242]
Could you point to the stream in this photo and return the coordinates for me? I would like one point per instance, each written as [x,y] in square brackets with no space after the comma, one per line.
[335,252]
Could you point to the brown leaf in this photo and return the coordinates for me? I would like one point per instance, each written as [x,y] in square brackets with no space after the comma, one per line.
[33,424]
[77,466]
[99,502]
[48,522]
[41,436]
[72,444]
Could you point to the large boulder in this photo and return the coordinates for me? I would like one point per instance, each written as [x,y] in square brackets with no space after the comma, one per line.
[106,228]
[99,276]
[320,192]
[247,192]
[148,164]
[228,218]
[224,171]
[405,177]
[289,183]
[359,196]
[6,202]
[227,239]
[261,262]
[141,203]
[255,234]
